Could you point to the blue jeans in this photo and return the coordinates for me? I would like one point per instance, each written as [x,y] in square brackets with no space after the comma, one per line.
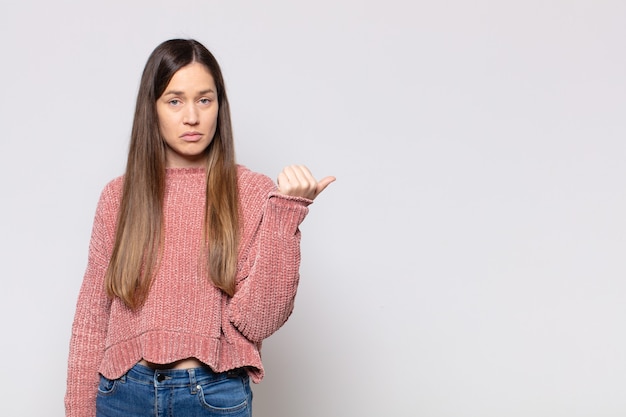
[196,392]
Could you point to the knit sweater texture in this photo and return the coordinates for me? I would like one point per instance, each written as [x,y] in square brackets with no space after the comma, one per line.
[184,314]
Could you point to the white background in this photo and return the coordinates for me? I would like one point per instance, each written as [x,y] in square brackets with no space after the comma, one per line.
[469,260]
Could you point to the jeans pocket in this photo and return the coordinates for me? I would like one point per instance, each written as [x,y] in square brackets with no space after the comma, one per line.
[106,385]
[226,395]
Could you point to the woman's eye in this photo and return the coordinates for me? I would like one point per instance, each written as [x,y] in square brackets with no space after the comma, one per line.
[205,101]
[174,102]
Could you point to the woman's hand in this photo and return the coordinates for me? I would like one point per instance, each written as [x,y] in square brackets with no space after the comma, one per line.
[297,181]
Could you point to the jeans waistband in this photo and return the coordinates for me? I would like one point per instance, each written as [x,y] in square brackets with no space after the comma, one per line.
[176,377]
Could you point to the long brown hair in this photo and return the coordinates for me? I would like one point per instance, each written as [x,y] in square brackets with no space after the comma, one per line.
[138,235]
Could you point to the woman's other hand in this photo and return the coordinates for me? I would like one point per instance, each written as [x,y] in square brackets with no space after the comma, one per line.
[297,181]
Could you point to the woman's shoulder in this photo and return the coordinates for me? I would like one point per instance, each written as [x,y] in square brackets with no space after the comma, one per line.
[115,185]
[250,180]
[112,191]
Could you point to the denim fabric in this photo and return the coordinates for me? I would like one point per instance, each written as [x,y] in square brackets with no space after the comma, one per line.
[197,392]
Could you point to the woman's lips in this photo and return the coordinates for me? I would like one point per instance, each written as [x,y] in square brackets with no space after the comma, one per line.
[191,136]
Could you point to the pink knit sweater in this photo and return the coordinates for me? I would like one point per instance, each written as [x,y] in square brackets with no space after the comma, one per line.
[184,314]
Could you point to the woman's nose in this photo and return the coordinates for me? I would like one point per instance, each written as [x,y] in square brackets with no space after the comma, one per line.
[191,115]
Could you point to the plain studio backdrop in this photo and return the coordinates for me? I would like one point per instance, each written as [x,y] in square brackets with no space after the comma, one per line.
[469,260]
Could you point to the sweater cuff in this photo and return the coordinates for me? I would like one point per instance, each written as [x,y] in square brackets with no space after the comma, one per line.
[286,212]
[287,198]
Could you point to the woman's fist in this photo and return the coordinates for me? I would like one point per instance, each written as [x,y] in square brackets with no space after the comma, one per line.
[297,181]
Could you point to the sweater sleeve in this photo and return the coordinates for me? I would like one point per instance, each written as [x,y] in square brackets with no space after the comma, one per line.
[91,317]
[264,299]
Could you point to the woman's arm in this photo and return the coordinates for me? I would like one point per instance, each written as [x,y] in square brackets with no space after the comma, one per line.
[265,297]
[91,318]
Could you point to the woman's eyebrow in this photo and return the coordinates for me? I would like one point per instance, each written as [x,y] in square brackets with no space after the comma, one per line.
[182,93]
[173,92]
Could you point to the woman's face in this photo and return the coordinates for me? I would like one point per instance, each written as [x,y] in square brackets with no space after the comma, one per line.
[187,112]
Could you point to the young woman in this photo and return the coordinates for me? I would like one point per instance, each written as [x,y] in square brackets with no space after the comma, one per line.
[193,259]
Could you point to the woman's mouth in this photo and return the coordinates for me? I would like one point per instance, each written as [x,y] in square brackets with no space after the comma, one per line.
[191,136]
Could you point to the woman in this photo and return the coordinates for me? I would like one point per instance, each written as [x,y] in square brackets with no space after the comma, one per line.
[193,259]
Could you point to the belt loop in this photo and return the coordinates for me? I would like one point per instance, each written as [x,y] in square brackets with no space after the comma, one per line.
[192,380]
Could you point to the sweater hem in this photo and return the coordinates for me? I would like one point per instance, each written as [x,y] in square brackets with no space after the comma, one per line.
[171,346]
